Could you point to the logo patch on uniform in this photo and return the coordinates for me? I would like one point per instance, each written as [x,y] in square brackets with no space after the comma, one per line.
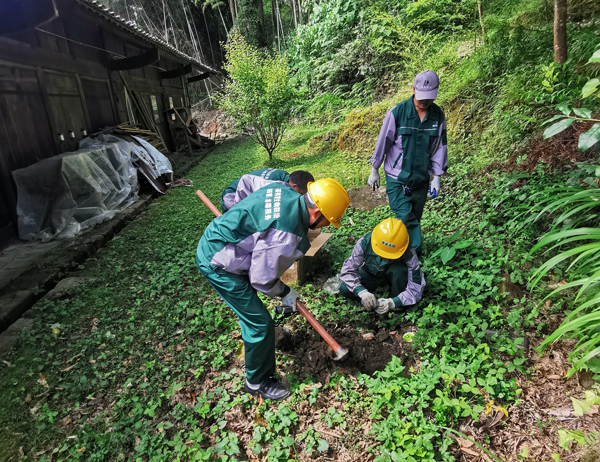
[269,204]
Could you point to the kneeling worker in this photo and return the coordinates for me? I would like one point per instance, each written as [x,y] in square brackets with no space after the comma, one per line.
[297,180]
[380,256]
[248,249]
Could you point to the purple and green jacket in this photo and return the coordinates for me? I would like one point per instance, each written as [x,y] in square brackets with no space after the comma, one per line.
[246,186]
[260,238]
[410,149]
[364,257]
[271,174]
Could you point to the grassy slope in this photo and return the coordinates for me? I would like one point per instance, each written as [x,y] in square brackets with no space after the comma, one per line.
[147,362]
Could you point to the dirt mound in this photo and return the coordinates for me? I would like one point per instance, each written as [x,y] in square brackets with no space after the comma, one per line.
[368,353]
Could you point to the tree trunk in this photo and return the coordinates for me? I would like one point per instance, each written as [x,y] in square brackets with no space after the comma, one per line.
[560,31]
[280,23]
[223,20]
[165,21]
[479,8]
[232,9]
[275,23]
[293,5]
[261,16]
[300,15]
[209,40]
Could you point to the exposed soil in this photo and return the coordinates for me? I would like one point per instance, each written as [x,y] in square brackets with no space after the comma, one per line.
[553,153]
[367,353]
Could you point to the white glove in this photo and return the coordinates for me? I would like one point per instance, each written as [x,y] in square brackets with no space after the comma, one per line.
[290,299]
[434,189]
[385,305]
[368,300]
[374,179]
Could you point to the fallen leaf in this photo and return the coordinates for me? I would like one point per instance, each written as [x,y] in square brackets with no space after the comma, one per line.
[202,332]
[178,348]
[554,377]
[67,423]
[470,452]
[28,398]
[464,443]
[547,304]
[67,369]
[368,336]
[259,419]
[106,285]
[81,450]
[42,380]
[7,363]
[501,409]
[139,291]
[92,361]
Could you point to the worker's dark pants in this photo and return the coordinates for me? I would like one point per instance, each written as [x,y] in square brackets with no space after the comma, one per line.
[396,275]
[409,209]
[258,328]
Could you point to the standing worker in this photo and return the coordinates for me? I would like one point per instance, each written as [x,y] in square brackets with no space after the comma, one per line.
[412,141]
[380,256]
[298,180]
[248,249]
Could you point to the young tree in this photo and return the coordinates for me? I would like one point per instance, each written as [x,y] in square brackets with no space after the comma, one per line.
[257,93]
[560,31]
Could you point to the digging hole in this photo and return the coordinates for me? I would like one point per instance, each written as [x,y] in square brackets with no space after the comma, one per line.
[315,357]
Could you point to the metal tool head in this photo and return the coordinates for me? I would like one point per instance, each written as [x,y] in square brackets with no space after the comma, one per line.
[340,354]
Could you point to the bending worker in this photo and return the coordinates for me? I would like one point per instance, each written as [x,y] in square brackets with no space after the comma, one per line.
[412,143]
[298,180]
[247,250]
[380,256]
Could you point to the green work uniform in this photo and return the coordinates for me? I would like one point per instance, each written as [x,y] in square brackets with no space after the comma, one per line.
[246,250]
[271,174]
[411,149]
[365,270]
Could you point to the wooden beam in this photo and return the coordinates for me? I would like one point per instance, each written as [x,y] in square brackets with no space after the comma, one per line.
[48,59]
[196,78]
[83,103]
[135,62]
[179,72]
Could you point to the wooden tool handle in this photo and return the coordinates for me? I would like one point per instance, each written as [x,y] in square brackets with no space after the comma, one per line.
[339,351]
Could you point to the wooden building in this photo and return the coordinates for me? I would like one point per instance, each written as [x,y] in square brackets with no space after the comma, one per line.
[69,68]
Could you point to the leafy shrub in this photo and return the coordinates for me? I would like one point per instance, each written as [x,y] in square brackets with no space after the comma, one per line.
[258,93]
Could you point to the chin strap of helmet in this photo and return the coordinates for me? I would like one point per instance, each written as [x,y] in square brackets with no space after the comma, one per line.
[317,221]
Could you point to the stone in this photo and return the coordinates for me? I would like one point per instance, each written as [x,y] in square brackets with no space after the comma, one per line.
[67,285]
[10,336]
[364,198]
[12,306]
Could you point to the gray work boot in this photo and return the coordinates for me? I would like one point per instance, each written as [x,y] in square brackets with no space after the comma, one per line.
[269,388]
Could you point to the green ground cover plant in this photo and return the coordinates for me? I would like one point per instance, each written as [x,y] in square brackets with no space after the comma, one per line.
[115,369]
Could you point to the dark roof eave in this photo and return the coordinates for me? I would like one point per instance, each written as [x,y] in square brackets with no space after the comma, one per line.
[129,26]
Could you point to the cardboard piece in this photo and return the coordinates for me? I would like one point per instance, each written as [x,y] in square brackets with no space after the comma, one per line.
[298,271]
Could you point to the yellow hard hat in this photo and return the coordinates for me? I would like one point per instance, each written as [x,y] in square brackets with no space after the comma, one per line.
[389,239]
[331,198]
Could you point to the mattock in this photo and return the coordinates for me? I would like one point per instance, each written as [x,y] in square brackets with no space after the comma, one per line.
[340,353]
